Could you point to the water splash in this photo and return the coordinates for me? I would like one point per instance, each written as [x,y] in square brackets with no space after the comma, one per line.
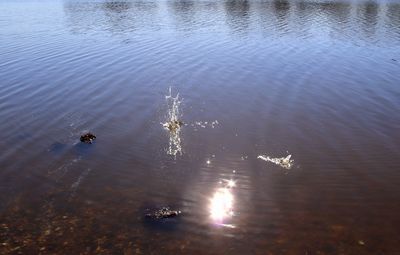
[205,124]
[284,162]
[173,124]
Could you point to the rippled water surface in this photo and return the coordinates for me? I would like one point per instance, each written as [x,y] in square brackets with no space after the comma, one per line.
[317,80]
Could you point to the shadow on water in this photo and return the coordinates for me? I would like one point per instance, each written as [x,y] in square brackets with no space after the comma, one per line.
[368,14]
[116,7]
[116,17]
[303,18]
[84,149]
[189,15]
[282,13]
[338,15]
[78,148]
[281,9]
[183,14]
[393,21]
[393,15]
[238,15]
[276,17]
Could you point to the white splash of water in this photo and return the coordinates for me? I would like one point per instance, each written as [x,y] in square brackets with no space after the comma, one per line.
[284,162]
[205,124]
[173,124]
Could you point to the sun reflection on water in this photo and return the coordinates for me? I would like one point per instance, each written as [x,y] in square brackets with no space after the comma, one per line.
[221,206]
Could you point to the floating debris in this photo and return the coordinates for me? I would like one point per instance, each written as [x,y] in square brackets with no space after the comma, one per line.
[88,138]
[173,124]
[284,162]
[163,213]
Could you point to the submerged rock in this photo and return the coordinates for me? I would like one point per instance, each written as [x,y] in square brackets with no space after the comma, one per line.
[88,138]
[163,213]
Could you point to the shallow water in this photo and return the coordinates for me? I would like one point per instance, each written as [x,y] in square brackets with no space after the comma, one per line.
[318,80]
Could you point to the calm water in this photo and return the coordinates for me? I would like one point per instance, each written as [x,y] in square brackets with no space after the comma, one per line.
[319,80]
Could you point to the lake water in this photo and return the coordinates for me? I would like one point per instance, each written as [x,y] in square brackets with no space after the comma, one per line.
[317,80]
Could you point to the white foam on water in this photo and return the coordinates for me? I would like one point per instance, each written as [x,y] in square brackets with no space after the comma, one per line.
[284,162]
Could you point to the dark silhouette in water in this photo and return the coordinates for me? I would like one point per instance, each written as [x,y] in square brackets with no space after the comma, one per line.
[88,138]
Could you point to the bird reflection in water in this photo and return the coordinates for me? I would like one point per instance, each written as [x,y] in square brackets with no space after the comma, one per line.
[221,207]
